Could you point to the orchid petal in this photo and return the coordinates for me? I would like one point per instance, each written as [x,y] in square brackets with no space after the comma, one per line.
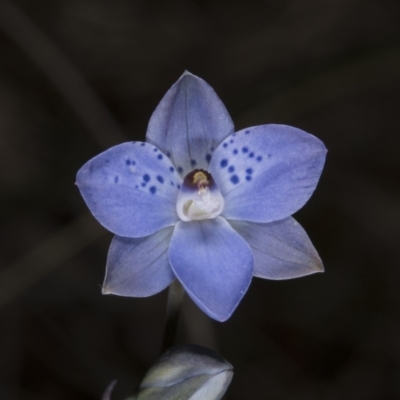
[139,267]
[189,123]
[281,249]
[213,263]
[131,189]
[266,173]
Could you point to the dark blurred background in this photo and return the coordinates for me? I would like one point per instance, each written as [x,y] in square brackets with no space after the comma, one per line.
[77,76]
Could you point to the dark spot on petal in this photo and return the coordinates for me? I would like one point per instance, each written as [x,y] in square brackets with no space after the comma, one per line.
[180,170]
[160,179]
[231,141]
[233,134]
[172,183]
[223,163]
[248,178]
[179,186]
[153,189]
[259,158]
[168,154]
[155,149]
[136,187]
[225,145]
[231,168]
[160,157]
[208,157]
[142,144]
[234,179]
[251,155]
[128,162]
[171,169]
[247,132]
[146,177]
[245,149]
[143,184]
[211,148]
[235,151]
[249,171]
[116,179]
[193,163]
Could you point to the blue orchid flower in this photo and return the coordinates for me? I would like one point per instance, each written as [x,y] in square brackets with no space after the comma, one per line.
[202,204]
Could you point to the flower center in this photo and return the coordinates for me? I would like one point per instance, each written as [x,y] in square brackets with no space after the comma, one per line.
[199,197]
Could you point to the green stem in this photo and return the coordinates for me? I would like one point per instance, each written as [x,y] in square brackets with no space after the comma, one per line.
[174,306]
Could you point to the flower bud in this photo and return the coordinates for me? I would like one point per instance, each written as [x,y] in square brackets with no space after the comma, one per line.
[187,372]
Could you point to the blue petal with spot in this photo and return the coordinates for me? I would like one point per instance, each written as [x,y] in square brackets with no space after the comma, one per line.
[189,123]
[273,183]
[213,263]
[139,267]
[281,249]
[136,204]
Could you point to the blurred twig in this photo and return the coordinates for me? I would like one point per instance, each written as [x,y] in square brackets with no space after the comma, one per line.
[326,87]
[70,240]
[61,73]
[50,254]
[107,393]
